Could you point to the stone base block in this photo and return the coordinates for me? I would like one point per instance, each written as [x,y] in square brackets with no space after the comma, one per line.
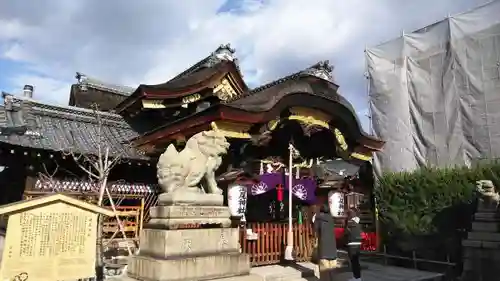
[188,216]
[190,198]
[187,212]
[489,216]
[484,236]
[486,207]
[250,277]
[197,268]
[165,244]
[173,224]
[481,244]
[485,226]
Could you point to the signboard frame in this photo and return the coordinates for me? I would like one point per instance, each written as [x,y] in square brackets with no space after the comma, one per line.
[50,238]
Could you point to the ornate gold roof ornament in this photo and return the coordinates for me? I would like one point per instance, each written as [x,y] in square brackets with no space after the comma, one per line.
[191,98]
[224,91]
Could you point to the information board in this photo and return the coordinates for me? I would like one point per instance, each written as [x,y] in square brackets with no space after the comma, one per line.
[52,242]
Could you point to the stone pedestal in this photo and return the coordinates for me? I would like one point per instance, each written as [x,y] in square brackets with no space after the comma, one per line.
[189,237]
[481,249]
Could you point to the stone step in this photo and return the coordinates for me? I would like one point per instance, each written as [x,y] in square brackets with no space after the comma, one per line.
[485,227]
[284,276]
[297,271]
[486,217]
[481,244]
[372,272]
[484,236]
[281,273]
[276,273]
[249,277]
[482,209]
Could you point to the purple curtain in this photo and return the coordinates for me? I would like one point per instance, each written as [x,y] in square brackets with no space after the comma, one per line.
[303,189]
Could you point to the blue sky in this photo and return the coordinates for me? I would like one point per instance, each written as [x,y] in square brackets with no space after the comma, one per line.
[9,69]
[131,42]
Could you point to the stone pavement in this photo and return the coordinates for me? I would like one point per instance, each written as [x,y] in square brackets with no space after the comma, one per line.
[306,272]
[372,272]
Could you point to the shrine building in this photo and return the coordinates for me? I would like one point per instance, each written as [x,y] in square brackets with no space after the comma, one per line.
[303,110]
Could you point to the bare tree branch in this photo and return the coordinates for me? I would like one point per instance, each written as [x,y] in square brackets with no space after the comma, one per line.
[118,220]
[98,167]
[47,177]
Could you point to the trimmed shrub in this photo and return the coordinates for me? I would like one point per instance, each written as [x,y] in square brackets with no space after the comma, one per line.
[411,202]
[430,210]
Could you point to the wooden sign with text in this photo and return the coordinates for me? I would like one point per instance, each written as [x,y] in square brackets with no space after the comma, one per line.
[50,238]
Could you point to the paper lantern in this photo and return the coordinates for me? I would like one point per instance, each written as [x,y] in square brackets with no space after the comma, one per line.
[279,190]
[336,203]
[237,200]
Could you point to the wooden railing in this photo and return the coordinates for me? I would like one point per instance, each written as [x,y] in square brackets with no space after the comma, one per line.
[269,247]
[131,218]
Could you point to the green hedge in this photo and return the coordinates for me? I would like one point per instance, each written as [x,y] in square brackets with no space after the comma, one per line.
[410,202]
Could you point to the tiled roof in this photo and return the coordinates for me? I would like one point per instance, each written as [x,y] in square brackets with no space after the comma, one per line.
[73,185]
[223,53]
[34,124]
[322,70]
[103,86]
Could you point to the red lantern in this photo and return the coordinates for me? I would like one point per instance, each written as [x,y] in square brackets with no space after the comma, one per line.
[279,189]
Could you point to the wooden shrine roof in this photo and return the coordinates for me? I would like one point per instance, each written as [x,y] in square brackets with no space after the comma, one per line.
[50,127]
[190,83]
[90,90]
[208,61]
[312,87]
[303,88]
[33,124]
[54,198]
[205,73]
[265,97]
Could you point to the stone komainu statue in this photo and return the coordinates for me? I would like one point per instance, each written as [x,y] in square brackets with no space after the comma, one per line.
[488,198]
[194,166]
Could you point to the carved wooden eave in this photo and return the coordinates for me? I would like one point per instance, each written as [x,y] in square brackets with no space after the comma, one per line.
[312,117]
[175,131]
[224,89]
[310,98]
[235,130]
[227,88]
[238,128]
[153,104]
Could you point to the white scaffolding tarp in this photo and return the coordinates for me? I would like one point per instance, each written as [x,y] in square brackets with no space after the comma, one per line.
[435,93]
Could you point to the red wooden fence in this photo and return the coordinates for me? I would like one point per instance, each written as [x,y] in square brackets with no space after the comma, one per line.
[269,247]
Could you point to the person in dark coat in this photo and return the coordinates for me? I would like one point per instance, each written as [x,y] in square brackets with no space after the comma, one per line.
[353,236]
[327,247]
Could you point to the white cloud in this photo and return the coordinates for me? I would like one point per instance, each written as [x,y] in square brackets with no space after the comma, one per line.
[132,42]
[58,89]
